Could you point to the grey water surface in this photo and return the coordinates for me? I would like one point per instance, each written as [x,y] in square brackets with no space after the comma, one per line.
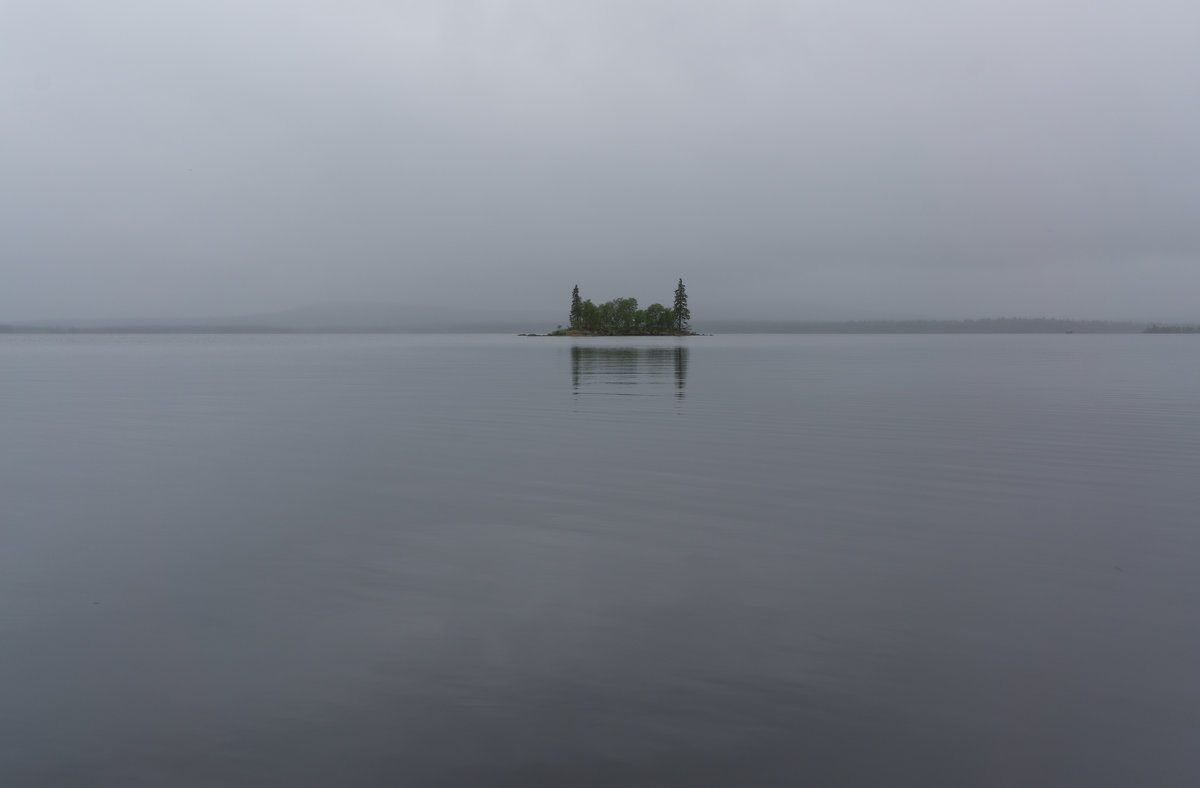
[715,561]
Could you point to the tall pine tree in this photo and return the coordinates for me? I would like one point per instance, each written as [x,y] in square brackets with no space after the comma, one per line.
[576,308]
[682,314]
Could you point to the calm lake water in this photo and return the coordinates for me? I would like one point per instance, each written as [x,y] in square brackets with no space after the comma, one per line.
[718,561]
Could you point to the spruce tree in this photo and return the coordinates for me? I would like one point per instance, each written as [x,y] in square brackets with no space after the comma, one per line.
[576,308]
[682,315]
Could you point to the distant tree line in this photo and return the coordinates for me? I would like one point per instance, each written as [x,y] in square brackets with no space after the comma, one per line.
[621,316]
[1002,325]
[1157,329]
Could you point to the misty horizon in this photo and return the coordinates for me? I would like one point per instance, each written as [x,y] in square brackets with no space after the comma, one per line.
[385,315]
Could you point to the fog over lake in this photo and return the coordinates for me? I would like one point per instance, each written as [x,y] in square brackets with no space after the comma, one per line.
[285,502]
[503,561]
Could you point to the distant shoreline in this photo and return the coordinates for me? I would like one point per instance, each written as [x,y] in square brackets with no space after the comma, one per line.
[980,326]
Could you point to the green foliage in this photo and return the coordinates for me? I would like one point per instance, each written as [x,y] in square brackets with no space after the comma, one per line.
[682,313]
[659,319]
[576,308]
[621,316]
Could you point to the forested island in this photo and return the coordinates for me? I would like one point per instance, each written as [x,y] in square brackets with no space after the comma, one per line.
[622,317]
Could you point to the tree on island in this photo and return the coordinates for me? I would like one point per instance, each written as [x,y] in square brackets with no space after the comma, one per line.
[576,308]
[682,313]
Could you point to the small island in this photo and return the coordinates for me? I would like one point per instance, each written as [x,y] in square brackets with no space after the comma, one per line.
[621,317]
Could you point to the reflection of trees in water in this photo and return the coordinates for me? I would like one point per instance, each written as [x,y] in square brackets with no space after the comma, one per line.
[629,366]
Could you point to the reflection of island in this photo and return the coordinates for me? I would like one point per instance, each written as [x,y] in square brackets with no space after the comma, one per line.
[624,370]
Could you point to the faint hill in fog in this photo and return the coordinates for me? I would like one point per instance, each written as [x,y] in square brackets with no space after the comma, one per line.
[389,317]
[334,318]
[1001,325]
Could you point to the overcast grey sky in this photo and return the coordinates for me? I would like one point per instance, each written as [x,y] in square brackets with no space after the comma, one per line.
[806,159]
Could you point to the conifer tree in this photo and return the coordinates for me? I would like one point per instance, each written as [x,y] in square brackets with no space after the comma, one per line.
[682,314]
[576,308]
